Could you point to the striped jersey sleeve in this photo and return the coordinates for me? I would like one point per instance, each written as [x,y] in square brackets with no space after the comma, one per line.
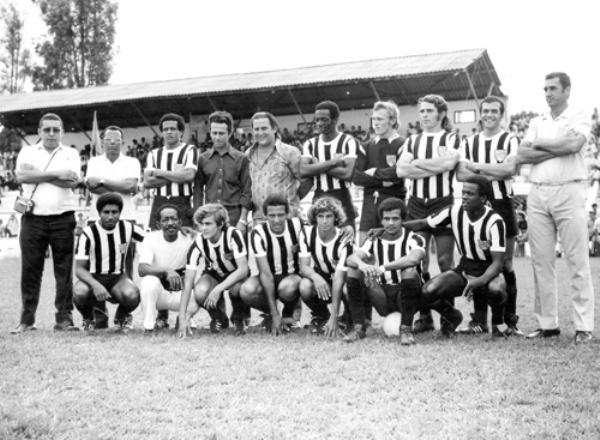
[83,245]
[497,235]
[440,219]
[194,254]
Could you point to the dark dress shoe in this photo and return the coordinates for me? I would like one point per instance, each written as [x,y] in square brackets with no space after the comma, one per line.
[543,333]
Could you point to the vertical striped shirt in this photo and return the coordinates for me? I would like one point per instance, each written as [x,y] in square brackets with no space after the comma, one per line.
[220,256]
[431,146]
[491,150]
[475,240]
[106,249]
[327,257]
[315,148]
[388,251]
[176,159]
[282,249]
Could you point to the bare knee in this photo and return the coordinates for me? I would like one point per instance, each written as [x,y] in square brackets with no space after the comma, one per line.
[81,292]
[306,289]
[249,289]
[288,289]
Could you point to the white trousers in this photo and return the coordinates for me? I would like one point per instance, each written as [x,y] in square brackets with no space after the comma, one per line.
[552,209]
[155,297]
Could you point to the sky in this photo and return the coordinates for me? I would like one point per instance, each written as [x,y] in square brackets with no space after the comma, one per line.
[158,39]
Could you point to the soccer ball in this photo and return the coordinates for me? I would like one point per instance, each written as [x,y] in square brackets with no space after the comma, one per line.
[391,325]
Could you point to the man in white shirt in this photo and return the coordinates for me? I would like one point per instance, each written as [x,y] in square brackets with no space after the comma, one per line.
[113,172]
[556,202]
[48,172]
[163,256]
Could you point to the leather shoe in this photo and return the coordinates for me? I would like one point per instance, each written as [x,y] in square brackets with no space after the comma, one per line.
[65,326]
[583,337]
[22,328]
[543,333]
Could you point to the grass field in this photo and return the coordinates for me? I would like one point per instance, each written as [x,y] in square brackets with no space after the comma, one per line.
[109,386]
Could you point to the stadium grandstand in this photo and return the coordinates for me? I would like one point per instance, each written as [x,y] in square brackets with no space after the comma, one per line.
[462,77]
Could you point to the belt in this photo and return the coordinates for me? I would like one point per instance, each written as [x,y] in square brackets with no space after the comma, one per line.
[558,183]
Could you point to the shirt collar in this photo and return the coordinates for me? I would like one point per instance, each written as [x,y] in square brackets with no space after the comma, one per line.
[278,144]
[391,139]
[565,114]
[227,151]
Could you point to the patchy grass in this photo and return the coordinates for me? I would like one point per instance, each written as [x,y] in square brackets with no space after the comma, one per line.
[105,386]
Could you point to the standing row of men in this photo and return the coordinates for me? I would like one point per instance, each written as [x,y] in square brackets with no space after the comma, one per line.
[241,183]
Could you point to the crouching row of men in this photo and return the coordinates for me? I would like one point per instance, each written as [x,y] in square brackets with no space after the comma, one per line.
[316,263]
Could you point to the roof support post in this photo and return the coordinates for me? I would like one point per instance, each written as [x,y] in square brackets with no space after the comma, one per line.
[144,118]
[471,87]
[212,104]
[296,104]
[402,91]
[377,97]
[491,88]
[21,136]
[80,128]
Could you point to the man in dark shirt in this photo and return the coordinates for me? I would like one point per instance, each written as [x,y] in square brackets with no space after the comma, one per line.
[223,175]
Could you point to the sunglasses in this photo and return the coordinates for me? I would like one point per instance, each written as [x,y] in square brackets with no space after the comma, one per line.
[51,130]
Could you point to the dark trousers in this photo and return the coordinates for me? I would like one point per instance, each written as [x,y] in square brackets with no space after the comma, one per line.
[37,232]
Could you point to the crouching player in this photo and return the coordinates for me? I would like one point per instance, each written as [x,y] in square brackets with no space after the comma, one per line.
[99,264]
[226,266]
[275,246]
[163,256]
[323,283]
[479,234]
[387,269]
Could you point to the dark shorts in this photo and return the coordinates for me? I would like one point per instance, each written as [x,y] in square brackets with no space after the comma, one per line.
[423,208]
[471,267]
[343,195]
[109,281]
[369,218]
[506,209]
[184,203]
[213,274]
[391,296]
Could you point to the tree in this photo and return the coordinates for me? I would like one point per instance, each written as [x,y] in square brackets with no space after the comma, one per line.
[14,58]
[78,51]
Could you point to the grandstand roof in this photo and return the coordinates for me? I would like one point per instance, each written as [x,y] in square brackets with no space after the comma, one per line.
[352,85]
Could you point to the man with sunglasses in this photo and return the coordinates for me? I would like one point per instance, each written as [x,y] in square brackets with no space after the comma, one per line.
[48,172]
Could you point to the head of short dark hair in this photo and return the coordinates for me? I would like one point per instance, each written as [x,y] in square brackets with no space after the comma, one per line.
[167,206]
[172,117]
[490,100]
[276,200]
[483,186]
[112,128]
[391,204]
[222,117]
[50,117]
[110,198]
[334,110]
[441,106]
[563,78]
[266,115]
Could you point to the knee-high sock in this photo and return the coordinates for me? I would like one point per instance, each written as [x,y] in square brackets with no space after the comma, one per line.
[356,299]
[409,300]
[480,307]
[510,308]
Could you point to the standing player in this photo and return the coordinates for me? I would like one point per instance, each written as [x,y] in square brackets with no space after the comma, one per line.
[479,234]
[492,154]
[100,262]
[275,246]
[375,167]
[323,282]
[226,267]
[329,158]
[390,267]
[429,159]
[163,256]
[170,169]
